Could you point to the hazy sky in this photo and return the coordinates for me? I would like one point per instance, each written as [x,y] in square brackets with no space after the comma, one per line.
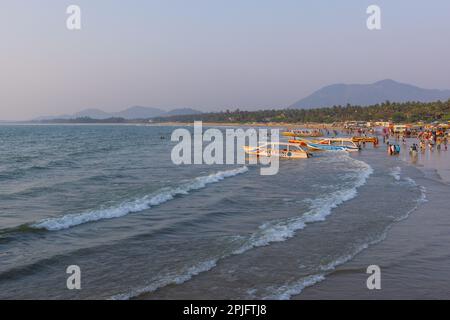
[210,54]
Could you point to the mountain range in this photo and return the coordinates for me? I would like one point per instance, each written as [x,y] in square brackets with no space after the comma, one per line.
[369,94]
[335,94]
[135,112]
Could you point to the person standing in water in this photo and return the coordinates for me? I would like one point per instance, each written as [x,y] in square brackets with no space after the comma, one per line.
[422,145]
[430,144]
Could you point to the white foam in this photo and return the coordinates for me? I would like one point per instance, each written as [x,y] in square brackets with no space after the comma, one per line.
[345,258]
[168,280]
[320,208]
[272,232]
[422,199]
[275,232]
[423,195]
[144,203]
[287,291]
[395,172]
[411,182]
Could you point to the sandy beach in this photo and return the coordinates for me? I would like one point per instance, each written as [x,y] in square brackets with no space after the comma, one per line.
[217,158]
[414,259]
[328,126]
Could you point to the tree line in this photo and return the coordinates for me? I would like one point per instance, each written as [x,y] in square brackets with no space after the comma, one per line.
[387,111]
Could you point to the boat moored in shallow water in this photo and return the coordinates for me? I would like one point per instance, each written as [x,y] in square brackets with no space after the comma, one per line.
[362,139]
[329,144]
[279,149]
[335,144]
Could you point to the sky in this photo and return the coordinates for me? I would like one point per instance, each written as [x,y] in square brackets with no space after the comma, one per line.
[210,54]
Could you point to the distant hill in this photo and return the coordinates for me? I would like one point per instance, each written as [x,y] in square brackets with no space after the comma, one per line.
[138,112]
[369,94]
[132,113]
[91,113]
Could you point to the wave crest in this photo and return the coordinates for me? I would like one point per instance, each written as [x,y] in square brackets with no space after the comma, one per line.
[144,203]
[320,208]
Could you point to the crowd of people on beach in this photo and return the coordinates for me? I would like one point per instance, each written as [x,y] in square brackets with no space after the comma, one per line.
[427,139]
[434,138]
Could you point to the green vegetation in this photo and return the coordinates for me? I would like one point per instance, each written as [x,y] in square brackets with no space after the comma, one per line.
[387,111]
[407,112]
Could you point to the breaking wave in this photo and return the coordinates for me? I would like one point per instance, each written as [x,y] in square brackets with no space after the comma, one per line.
[320,208]
[420,200]
[395,173]
[144,203]
[285,292]
[270,232]
[168,280]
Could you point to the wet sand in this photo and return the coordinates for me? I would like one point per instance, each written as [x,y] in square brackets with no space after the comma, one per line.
[436,160]
[415,257]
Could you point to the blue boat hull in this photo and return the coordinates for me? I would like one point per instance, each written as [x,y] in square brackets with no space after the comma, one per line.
[328,147]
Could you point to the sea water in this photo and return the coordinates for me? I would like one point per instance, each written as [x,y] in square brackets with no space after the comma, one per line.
[108,199]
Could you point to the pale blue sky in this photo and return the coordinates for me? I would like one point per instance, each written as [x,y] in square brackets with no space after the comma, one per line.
[210,54]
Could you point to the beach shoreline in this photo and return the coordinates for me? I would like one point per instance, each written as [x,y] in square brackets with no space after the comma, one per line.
[208,238]
[329,126]
[402,277]
[413,260]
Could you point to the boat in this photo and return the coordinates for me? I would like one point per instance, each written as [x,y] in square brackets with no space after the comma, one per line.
[328,144]
[280,149]
[301,142]
[305,143]
[302,133]
[360,139]
[334,144]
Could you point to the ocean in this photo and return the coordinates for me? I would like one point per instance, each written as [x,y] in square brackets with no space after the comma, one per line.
[108,199]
